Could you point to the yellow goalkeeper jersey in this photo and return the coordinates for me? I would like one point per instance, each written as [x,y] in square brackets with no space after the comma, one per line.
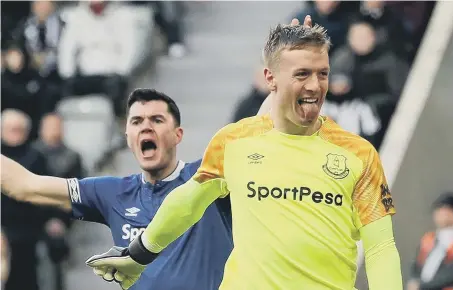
[297,203]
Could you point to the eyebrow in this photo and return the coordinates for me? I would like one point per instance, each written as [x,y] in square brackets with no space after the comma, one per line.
[309,69]
[150,116]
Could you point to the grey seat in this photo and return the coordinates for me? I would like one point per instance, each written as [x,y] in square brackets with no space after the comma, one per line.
[88,125]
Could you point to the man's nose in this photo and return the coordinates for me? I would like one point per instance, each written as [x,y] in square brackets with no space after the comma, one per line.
[147,126]
[312,84]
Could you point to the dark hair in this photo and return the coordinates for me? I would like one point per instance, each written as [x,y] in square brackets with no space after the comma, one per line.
[443,200]
[146,95]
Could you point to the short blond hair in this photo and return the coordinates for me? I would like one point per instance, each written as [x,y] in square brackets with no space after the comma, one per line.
[293,37]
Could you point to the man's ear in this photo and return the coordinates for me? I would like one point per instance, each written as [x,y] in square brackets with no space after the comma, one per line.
[179,133]
[270,80]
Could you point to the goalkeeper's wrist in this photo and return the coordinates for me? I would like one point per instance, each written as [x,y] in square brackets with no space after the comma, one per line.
[139,253]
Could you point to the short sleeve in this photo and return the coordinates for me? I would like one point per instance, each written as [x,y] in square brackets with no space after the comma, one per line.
[212,163]
[86,203]
[213,159]
[372,197]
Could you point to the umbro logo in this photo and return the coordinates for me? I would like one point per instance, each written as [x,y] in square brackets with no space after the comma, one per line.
[133,211]
[255,156]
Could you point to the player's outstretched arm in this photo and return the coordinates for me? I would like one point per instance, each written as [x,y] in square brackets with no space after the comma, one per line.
[381,255]
[20,184]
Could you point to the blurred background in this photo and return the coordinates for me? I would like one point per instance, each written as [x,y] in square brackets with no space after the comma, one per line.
[69,66]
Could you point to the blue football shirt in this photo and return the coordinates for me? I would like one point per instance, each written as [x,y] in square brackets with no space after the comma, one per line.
[195,261]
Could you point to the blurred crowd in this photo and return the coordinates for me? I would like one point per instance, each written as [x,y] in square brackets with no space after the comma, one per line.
[432,266]
[53,70]
[49,59]
[61,61]
[373,46]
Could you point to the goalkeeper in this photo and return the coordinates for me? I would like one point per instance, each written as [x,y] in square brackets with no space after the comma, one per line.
[302,189]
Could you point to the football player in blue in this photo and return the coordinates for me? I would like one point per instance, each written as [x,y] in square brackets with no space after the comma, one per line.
[127,205]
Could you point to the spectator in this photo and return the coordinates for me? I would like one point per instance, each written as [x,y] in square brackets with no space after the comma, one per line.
[433,268]
[23,223]
[62,161]
[96,51]
[40,35]
[375,74]
[351,113]
[13,12]
[19,84]
[167,17]
[389,27]
[415,16]
[250,105]
[65,163]
[23,88]
[332,15]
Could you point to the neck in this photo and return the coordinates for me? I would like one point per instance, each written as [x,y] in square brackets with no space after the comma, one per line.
[158,174]
[284,125]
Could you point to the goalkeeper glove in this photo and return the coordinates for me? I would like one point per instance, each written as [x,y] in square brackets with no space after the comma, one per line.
[122,265]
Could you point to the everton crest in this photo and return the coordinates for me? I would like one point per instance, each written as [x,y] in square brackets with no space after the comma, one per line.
[335,166]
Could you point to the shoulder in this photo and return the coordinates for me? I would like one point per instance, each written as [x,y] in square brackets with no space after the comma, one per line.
[427,241]
[38,155]
[36,161]
[21,27]
[74,14]
[352,143]
[38,146]
[193,165]
[191,168]
[428,236]
[247,127]
[72,153]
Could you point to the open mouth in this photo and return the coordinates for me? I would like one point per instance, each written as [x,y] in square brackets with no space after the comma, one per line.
[148,147]
[308,108]
[302,101]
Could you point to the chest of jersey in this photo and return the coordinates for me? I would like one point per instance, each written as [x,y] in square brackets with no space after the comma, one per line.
[300,169]
[132,213]
[308,178]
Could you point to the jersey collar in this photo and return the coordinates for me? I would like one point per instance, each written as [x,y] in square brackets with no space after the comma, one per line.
[173,175]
